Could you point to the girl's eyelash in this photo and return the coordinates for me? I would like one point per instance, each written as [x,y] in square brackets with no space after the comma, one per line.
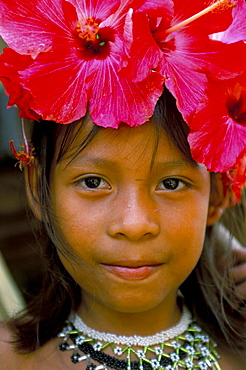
[93,182]
[97,182]
[172,184]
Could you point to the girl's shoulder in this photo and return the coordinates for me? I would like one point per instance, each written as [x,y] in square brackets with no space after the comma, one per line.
[9,358]
[47,357]
[232,360]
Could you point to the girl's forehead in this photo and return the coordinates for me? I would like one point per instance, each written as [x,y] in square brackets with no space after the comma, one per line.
[148,144]
[123,139]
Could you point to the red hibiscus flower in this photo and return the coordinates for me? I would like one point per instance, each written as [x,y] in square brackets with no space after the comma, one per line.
[10,65]
[78,48]
[218,128]
[182,52]
[237,30]
[234,180]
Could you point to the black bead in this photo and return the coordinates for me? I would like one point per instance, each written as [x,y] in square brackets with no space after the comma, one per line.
[87,348]
[90,367]
[135,365]
[165,361]
[63,346]
[75,358]
[146,365]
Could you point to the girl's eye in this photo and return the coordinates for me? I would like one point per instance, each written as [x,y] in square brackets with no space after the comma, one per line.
[93,182]
[172,184]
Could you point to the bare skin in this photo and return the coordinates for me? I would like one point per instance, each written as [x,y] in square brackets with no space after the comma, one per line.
[50,357]
[129,240]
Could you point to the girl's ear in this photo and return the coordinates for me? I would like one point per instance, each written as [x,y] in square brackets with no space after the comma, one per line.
[31,184]
[218,200]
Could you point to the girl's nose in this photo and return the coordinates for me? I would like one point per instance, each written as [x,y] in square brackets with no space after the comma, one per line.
[134,218]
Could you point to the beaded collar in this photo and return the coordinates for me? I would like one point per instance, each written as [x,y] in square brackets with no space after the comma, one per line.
[184,346]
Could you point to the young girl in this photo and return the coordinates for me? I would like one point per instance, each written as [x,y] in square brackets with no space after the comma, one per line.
[137,272]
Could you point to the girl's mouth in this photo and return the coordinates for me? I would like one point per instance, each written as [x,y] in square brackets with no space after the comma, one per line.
[132,273]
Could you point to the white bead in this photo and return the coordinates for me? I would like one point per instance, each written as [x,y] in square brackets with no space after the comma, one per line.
[82,358]
[71,347]
[137,340]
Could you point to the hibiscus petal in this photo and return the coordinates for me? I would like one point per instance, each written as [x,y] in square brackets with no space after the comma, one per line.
[33,26]
[122,100]
[237,30]
[95,8]
[194,54]
[213,21]
[186,85]
[10,64]
[218,128]
[145,53]
[218,144]
[57,82]
[151,18]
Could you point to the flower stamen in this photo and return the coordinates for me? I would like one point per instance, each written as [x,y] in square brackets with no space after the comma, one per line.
[215,5]
[89,36]
[88,30]
[23,156]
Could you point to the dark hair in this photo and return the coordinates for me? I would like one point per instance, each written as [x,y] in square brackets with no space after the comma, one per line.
[208,292]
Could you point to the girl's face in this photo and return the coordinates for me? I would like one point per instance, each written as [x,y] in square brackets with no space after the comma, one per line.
[137,227]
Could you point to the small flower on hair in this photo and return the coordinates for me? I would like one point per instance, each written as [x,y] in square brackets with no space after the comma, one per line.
[23,156]
[97,346]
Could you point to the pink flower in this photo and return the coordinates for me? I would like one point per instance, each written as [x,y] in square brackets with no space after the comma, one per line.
[78,48]
[10,64]
[218,128]
[237,30]
[181,53]
[234,180]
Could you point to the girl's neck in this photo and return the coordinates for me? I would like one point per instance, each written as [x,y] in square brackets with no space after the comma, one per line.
[144,323]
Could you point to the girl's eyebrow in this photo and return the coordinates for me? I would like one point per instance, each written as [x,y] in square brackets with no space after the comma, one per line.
[177,164]
[104,162]
[99,162]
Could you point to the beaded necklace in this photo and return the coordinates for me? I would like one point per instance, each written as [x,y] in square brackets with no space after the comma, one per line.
[184,346]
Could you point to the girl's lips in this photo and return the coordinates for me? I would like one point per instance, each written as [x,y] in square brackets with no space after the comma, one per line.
[131,273]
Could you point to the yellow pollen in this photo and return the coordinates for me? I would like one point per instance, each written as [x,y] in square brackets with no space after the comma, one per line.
[88,30]
[225,4]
